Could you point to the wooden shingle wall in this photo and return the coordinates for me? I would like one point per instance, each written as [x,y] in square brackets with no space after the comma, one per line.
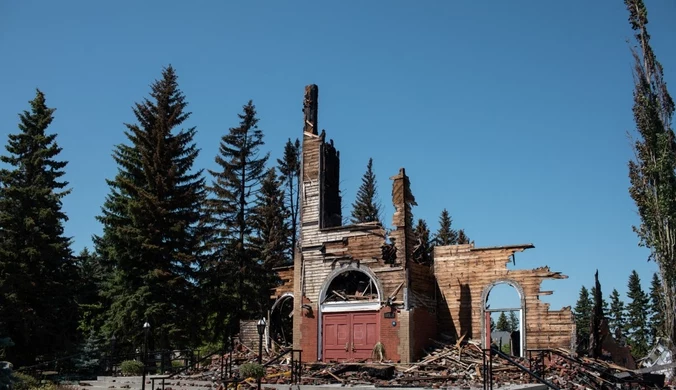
[464,273]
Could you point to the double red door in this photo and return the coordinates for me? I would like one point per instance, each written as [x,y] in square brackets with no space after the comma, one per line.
[349,336]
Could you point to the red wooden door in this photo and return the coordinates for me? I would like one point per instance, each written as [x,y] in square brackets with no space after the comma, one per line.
[364,334]
[349,336]
[336,336]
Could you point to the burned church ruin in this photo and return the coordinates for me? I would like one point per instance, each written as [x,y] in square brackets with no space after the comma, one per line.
[353,287]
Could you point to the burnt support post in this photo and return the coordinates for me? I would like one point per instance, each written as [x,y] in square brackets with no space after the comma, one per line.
[310,109]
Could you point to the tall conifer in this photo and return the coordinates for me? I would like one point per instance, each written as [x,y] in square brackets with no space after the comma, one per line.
[37,274]
[656,309]
[445,235]
[366,207]
[616,313]
[233,211]
[637,316]
[151,234]
[272,233]
[289,170]
[582,312]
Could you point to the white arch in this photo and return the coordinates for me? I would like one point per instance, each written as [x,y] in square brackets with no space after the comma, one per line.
[335,307]
[349,306]
[522,310]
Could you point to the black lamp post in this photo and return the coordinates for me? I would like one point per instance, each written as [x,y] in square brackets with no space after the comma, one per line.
[260,326]
[112,353]
[146,329]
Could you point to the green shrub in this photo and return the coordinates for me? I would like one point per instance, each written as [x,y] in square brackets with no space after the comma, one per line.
[24,381]
[251,370]
[131,367]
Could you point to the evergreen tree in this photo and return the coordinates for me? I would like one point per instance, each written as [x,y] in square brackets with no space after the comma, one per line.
[6,374]
[92,307]
[233,213]
[289,169]
[462,238]
[653,171]
[492,324]
[88,359]
[503,324]
[422,251]
[151,224]
[366,207]
[616,313]
[656,309]
[37,275]
[445,235]
[513,322]
[582,311]
[272,232]
[637,316]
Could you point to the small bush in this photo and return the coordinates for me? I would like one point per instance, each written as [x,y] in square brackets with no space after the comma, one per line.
[177,363]
[251,370]
[131,367]
[24,381]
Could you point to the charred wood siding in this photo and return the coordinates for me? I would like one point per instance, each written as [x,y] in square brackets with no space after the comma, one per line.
[464,272]
[285,275]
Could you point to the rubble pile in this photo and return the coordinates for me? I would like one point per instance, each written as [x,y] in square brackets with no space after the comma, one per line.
[446,365]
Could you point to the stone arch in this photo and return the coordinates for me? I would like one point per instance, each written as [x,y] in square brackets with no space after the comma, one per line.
[522,315]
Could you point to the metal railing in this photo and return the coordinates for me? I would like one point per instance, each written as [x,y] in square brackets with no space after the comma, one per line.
[488,368]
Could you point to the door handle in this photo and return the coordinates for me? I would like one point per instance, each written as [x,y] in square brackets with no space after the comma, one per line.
[347,348]
[353,350]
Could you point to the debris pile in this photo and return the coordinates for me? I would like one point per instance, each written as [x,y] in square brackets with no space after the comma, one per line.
[457,364]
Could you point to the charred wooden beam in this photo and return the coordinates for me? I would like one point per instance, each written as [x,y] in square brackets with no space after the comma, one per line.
[310,109]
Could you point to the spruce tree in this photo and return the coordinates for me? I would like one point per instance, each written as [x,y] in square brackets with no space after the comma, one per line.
[289,170]
[653,171]
[503,324]
[637,316]
[616,313]
[37,274]
[422,251]
[151,224]
[656,309]
[513,322]
[445,235]
[233,212]
[582,312]
[366,207]
[271,237]
[462,238]
[92,306]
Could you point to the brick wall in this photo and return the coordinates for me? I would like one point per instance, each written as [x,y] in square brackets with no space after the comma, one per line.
[423,326]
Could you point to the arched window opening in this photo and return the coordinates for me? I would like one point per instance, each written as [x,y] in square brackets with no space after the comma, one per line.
[504,304]
[352,286]
[281,322]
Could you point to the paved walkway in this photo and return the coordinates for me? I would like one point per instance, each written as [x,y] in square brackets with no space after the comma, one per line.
[134,383]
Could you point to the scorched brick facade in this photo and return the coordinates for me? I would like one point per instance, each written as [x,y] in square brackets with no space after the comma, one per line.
[355,286]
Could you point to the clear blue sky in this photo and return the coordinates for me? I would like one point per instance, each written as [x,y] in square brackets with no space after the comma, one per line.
[511,114]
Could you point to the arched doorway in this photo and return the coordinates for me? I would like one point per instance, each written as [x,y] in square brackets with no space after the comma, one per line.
[349,326]
[511,334]
[281,322]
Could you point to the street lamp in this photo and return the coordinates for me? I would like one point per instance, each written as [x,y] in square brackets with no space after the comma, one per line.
[260,326]
[112,353]
[146,329]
